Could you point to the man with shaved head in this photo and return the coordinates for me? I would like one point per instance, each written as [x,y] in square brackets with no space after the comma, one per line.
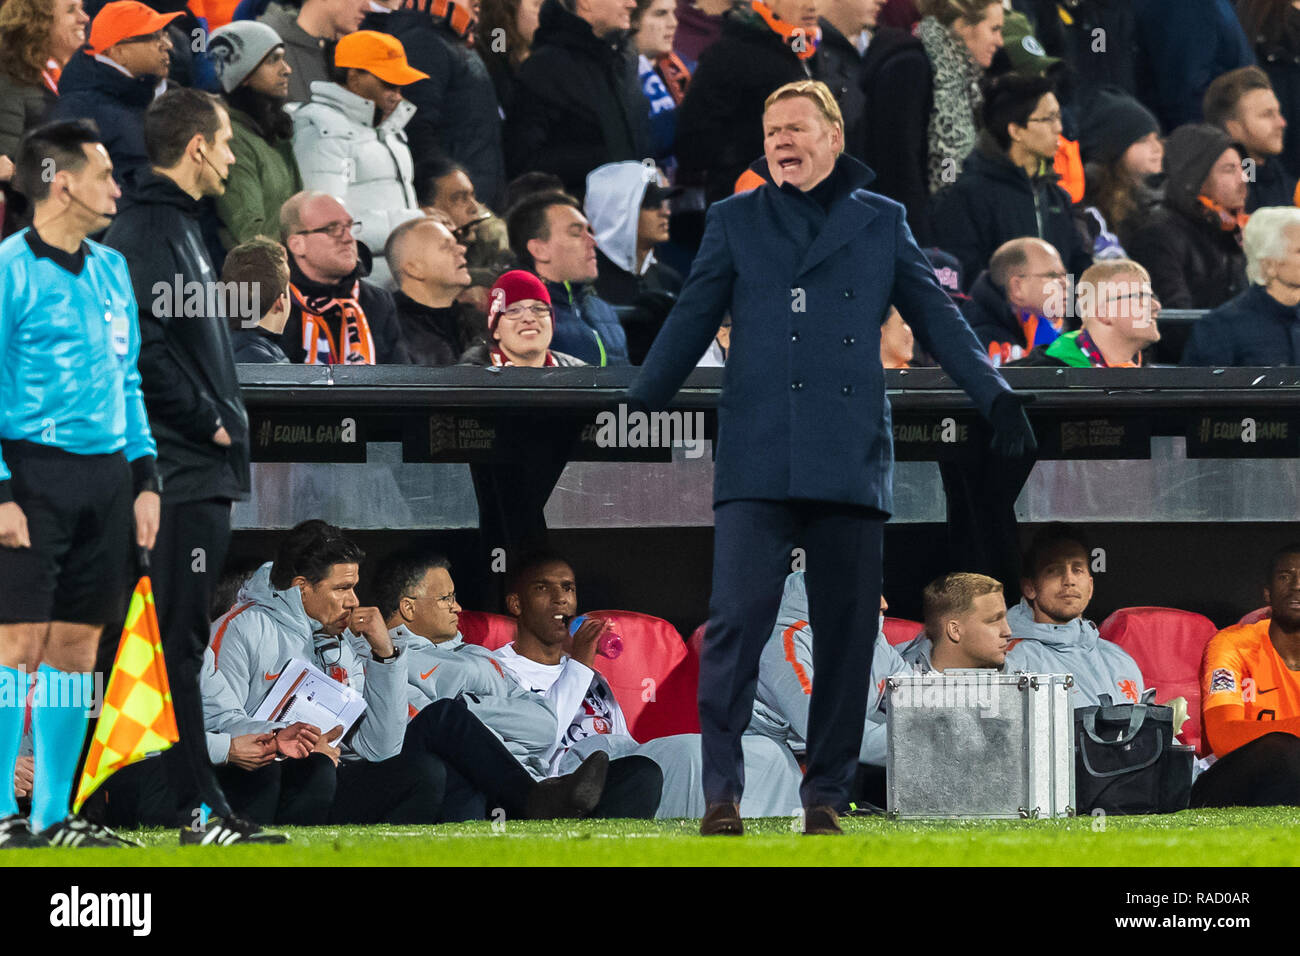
[1015,304]
[428,263]
[337,317]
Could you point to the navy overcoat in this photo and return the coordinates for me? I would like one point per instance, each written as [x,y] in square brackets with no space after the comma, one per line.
[803,412]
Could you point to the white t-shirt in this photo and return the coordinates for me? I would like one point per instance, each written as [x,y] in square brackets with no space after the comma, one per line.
[596,712]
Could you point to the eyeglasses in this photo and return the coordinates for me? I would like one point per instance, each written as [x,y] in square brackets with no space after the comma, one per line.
[330,650]
[516,312]
[1053,118]
[447,600]
[335,230]
[160,38]
[1143,295]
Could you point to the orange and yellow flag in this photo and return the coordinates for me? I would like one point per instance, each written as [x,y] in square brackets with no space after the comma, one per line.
[137,718]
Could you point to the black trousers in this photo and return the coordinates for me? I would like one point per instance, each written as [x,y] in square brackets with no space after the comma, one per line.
[408,788]
[633,789]
[752,554]
[285,792]
[186,565]
[448,730]
[135,796]
[512,495]
[981,493]
[1262,773]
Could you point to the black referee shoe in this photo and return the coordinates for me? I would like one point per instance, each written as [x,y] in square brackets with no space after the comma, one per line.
[79,832]
[226,831]
[15,834]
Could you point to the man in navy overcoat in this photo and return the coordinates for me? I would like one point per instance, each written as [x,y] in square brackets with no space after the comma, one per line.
[808,265]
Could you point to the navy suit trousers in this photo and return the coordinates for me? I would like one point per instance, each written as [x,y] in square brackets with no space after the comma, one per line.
[753,552]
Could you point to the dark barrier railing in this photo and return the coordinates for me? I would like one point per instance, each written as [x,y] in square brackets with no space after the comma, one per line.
[310,413]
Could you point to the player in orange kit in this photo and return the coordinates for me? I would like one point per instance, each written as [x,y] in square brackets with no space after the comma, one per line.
[1250,687]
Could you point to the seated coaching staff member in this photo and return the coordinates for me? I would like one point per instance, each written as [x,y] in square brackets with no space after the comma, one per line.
[807,264]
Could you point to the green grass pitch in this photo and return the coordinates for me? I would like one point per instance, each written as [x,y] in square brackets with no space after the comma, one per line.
[1256,837]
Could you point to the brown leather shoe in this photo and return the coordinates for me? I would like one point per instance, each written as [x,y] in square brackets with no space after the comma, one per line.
[821,821]
[722,819]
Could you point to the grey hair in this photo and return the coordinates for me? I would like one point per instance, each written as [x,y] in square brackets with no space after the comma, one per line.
[1265,238]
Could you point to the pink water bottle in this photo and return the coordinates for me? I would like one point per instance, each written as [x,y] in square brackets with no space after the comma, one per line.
[609,645]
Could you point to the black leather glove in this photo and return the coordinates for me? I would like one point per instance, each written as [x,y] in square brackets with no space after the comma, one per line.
[1013,436]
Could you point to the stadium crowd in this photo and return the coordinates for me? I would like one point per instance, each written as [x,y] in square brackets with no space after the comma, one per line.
[514,183]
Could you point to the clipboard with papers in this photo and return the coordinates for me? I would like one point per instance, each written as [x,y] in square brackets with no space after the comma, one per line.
[305,693]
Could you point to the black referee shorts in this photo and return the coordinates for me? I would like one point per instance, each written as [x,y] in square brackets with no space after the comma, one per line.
[81,521]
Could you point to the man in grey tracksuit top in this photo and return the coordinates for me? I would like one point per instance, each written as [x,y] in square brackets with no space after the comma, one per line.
[453,669]
[785,679]
[1049,632]
[252,643]
[1098,666]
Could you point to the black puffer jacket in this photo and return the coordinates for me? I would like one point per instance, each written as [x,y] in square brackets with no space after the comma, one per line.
[579,104]
[456,107]
[720,129]
[187,365]
[1194,263]
[842,68]
[994,201]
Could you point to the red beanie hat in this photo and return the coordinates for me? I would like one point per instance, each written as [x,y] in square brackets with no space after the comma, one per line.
[514,286]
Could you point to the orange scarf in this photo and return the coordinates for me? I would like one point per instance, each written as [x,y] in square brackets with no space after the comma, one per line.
[1229,221]
[459,17]
[792,35]
[318,340]
[675,76]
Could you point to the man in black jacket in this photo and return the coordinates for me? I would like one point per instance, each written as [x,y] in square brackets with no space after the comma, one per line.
[457,112]
[115,79]
[580,104]
[337,317]
[260,269]
[846,36]
[1242,103]
[1192,245]
[430,268]
[196,414]
[720,130]
[1007,187]
[1018,303]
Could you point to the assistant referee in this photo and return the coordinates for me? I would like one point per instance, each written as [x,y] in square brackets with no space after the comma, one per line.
[77,466]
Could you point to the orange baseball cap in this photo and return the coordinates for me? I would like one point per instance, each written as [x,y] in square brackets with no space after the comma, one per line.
[377,53]
[123,19]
